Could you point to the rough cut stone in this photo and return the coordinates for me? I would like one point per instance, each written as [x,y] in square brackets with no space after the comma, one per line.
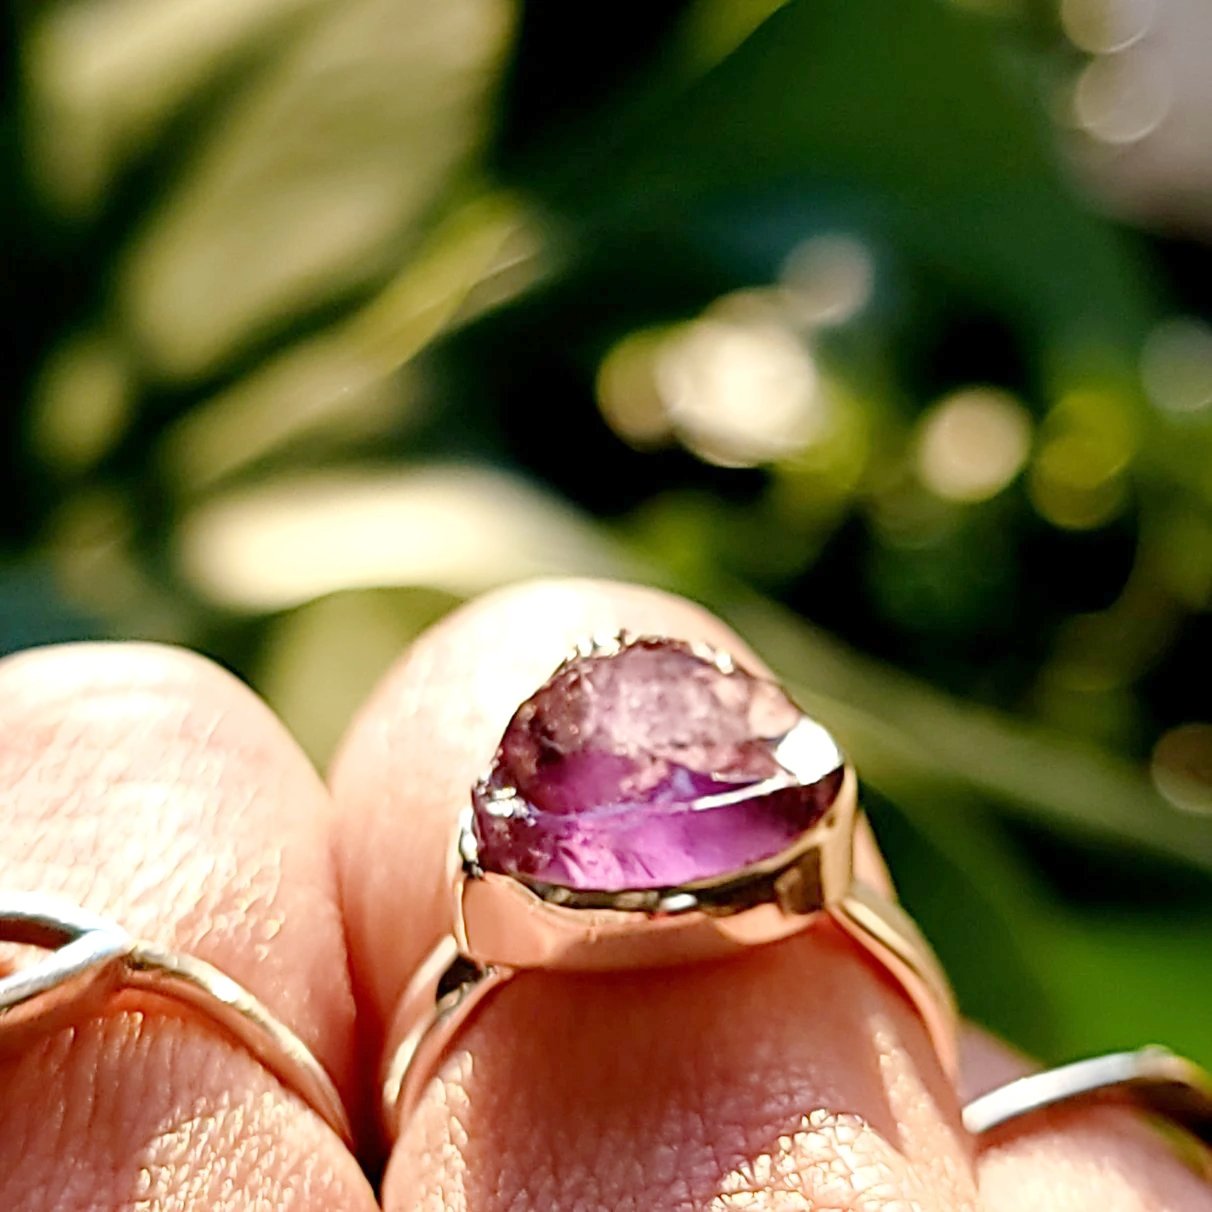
[649,767]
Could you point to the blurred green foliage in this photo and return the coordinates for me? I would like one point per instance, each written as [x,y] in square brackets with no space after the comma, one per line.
[327,315]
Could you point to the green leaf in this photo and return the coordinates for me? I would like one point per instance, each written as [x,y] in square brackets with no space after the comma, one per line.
[320,662]
[316,174]
[915,115]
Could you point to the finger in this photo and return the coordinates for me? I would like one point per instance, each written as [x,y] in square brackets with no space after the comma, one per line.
[795,1074]
[1079,1159]
[152,788]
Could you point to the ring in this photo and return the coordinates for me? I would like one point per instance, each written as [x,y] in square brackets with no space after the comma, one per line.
[1153,1080]
[653,803]
[90,960]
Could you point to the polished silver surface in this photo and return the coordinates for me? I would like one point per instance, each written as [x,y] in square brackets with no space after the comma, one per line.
[89,959]
[1151,1079]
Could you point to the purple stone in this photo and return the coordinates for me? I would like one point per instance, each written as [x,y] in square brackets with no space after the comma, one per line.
[650,767]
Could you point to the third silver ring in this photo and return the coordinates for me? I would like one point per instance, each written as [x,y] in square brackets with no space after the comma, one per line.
[1153,1080]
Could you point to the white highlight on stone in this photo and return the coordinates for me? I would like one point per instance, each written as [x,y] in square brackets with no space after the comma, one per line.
[808,751]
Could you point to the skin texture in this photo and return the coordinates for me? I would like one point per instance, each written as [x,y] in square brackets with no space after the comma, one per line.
[153,788]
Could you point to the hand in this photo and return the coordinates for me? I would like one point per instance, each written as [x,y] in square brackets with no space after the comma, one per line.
[152,787]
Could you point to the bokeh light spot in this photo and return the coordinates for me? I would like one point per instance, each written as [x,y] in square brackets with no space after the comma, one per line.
[1102,26]
[1122,98]
[1176,365]
[627,391]
[1077,477]
[738,394]
[973,443]
[1182,767]
[1068,486]
[828,279]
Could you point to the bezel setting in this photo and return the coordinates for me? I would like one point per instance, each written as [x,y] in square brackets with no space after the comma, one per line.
[520,922]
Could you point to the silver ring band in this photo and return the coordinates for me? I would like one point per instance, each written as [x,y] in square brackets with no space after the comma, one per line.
[449,988]
[91,959]
[1153,1080]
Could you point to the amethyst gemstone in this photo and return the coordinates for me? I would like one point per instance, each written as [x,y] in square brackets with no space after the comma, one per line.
[648,767]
